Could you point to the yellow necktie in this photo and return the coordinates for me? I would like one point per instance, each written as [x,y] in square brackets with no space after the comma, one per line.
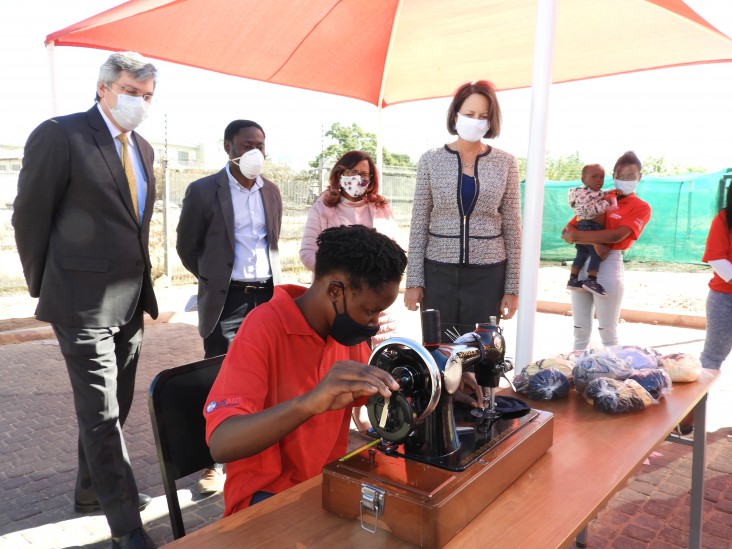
[129,172]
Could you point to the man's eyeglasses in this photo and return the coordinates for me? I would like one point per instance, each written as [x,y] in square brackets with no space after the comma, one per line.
[362,175]
[132,92]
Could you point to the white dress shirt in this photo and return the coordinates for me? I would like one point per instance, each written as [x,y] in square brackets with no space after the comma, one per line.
[140,176]
[251,255]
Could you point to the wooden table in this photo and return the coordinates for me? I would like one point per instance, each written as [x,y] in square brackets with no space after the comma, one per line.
[548,506]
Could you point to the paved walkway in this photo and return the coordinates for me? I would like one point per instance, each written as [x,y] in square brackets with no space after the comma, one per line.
[38,442]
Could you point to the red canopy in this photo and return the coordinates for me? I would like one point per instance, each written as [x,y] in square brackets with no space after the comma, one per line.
[393,51]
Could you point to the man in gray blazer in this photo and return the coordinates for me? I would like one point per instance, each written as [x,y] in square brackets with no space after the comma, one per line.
[82,218]
[228,236]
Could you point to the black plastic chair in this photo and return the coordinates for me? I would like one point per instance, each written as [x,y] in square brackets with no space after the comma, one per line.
[175,400]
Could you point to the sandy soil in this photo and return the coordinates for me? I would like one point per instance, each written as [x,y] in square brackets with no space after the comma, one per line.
[644,290]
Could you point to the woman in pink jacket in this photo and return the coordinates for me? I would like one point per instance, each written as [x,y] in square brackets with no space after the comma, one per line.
[352,198]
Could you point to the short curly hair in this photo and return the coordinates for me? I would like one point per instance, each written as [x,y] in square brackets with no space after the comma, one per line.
[367,257]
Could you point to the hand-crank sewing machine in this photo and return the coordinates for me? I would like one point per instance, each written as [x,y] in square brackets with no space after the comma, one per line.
[438,464]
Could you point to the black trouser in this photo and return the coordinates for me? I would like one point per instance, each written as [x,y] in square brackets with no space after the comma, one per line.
[102,363]
[241,299]
[464,295]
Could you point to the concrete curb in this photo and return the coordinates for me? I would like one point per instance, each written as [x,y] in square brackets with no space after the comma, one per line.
[656,317]
[45,331]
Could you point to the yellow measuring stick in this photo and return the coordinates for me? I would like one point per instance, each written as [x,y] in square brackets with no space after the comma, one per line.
[361,449]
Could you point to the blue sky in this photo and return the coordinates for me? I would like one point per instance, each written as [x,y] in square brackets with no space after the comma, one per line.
[682,114]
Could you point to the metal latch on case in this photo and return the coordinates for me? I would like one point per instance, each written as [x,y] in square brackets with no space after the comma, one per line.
[372,500]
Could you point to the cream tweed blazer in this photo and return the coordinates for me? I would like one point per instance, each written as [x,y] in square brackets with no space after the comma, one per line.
[491,233]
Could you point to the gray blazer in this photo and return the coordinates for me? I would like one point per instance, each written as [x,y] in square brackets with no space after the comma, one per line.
[205,241]
[84,253]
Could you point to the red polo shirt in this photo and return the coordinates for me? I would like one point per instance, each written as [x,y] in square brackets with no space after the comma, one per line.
[719,246]
[633,213]
[275,357]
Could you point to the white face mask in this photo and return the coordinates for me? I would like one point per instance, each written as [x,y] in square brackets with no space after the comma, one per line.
[250,163]
[471,129]
[354,185]
[129,112]
[625,187]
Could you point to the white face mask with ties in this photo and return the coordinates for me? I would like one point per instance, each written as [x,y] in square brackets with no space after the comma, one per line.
[471,129]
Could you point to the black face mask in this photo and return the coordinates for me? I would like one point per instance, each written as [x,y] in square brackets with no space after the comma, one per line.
[347,331]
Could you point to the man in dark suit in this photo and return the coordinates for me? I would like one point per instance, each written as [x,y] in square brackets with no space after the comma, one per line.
[82,218]
[228,236]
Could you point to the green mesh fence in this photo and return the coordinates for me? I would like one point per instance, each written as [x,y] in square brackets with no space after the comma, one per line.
[683,207]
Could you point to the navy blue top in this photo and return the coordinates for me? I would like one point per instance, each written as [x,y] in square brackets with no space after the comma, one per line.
[467,193]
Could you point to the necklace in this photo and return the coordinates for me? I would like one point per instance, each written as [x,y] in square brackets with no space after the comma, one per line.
[471,165]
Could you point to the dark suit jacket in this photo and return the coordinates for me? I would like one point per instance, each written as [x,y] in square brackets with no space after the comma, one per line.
[206,240]
[84,253]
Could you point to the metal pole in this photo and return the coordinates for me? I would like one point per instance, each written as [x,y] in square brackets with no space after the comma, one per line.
[166,206]
[51,49]
[379,144]
[546,11]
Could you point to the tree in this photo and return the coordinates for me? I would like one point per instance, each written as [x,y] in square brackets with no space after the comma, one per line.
[659,166]
[354,138]
[562,168]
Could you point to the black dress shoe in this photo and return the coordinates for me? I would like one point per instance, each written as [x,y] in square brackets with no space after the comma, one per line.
[137,539]
[143,500]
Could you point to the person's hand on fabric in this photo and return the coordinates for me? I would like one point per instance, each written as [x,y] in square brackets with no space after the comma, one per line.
[469,386]
[413,297]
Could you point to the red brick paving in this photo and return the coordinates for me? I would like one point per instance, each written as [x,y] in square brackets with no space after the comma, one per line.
[38,456]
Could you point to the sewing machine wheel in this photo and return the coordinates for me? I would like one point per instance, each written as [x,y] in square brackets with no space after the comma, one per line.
[399,421]
[420,380]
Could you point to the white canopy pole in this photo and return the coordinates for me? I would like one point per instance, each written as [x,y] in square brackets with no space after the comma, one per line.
[51,49]
[546,11]
[382,88]
[379,143]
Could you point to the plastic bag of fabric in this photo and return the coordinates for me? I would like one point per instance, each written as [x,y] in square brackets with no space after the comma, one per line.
[656,381]
[574,355]
[639,358]
[547,384]
[557,363]
[599,364]
[613,396]
[682,367]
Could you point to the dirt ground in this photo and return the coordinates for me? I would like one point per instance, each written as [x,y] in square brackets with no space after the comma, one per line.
[648,286]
